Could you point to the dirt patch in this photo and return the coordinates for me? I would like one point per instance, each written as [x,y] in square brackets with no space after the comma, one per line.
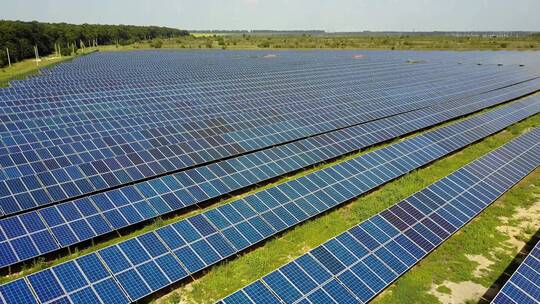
[514,227]
[459,292]
[176,297]
[524,218]
[483,264]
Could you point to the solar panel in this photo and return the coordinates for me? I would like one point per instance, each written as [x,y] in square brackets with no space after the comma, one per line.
[140,265]
[359,263]
[524,284]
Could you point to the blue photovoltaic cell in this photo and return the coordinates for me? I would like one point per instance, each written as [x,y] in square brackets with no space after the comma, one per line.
[360,275]
[524,284]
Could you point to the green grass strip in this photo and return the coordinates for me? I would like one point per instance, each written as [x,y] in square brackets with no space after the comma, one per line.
[25,68]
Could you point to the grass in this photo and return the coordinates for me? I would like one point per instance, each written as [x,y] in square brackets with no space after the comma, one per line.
[25,68]
[444,289]
[242,42]
[448,261]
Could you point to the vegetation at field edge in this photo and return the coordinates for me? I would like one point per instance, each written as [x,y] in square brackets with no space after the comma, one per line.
[23,69]
[20,37]
[403,42]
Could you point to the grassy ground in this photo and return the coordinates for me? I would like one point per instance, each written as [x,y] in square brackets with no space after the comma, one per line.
[227,277]
[205,41]
[23,69]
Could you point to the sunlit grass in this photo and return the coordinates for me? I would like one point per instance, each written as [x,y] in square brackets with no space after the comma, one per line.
[25,68]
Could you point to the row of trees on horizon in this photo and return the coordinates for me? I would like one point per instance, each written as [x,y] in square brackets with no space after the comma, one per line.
[20,37]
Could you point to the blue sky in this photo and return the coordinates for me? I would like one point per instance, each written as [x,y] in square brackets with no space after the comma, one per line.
[330,15]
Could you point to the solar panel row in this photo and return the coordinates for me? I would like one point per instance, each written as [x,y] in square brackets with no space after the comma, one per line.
[152,103]
[126,66]
[32,234]
[147,263]
[62,134]
[222,90]
[523,287]
[359,263]
[190,97]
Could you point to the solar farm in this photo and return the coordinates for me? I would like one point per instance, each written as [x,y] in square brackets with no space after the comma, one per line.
[129,175]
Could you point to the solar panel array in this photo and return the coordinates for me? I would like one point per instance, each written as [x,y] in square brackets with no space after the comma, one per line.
[112,140]
[78,220]
[142,265]
[523,287]
[38,232]
[60,146]
[359,263]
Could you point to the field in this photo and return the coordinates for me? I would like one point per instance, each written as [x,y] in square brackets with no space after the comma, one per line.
[130,143]
[23,69]
[239,42]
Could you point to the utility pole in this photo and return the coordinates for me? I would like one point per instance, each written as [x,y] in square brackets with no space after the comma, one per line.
[8,59]
[37,54]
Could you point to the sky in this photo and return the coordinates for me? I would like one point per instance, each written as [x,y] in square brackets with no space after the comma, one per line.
[329,15]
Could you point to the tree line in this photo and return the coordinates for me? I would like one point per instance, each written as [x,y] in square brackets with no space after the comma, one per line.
[20,37]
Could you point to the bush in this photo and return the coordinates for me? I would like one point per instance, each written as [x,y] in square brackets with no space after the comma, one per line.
[66,51]
[157,44]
